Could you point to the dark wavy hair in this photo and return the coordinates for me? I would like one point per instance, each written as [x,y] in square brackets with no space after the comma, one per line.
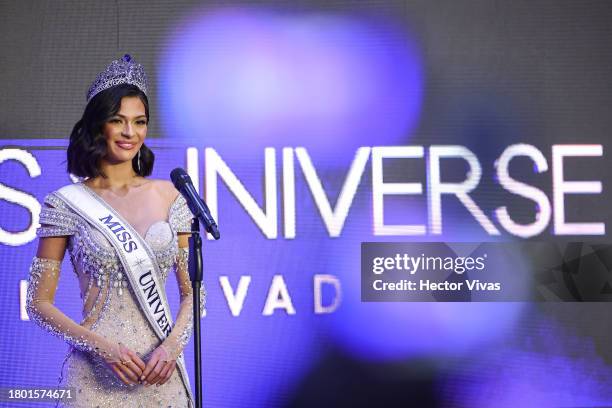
[87,144]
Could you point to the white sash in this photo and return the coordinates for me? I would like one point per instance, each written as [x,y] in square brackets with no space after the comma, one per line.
[136,257]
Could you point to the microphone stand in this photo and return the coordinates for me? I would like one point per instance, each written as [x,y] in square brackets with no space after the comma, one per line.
[196,274]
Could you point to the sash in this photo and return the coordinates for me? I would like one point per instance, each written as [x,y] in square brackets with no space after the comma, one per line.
[136,257]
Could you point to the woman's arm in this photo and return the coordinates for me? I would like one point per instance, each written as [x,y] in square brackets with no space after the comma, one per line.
[163,361]
[44,276]
[183,326]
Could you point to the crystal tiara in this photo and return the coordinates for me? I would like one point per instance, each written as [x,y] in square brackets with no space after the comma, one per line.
[120,71]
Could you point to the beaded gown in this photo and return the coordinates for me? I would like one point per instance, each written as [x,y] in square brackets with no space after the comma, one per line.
[110,308]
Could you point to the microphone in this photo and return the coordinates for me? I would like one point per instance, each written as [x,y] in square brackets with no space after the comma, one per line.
[198,207]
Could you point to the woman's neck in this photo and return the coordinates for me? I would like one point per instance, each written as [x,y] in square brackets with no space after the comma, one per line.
[118,176]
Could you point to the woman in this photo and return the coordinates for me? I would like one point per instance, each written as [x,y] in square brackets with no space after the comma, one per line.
[126,350]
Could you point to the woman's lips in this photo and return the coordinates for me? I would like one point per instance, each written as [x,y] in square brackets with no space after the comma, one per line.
[126,145]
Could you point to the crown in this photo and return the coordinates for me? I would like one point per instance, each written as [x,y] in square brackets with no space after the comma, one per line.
[120,71]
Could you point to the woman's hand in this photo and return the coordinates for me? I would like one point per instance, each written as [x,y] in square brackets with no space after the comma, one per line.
[126,364]
[159,368]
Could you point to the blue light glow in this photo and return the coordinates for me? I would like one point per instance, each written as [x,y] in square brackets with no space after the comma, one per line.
[252,78]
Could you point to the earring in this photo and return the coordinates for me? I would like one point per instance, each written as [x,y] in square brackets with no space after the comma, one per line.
[138,162]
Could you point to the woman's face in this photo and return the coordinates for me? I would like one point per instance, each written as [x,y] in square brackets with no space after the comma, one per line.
[126,131]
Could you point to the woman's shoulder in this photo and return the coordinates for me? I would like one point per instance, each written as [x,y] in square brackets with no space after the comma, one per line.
[179,213]
[56,217]
[165,189]
[54,199]
[58,191]
[162,184]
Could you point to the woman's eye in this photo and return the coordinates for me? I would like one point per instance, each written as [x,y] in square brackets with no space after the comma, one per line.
[115,120]
[142,122]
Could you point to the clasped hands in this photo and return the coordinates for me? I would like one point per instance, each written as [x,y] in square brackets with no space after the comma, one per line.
[131,369]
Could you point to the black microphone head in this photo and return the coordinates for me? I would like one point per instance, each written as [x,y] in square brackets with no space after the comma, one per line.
[179,178]
[215,233]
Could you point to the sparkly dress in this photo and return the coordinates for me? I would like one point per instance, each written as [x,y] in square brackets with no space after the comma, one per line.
[111,312]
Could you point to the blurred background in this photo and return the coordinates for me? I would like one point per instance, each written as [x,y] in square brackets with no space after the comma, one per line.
[329,77]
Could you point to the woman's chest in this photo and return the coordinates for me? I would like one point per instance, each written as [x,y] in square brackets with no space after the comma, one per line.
[94,255]
[141,210]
